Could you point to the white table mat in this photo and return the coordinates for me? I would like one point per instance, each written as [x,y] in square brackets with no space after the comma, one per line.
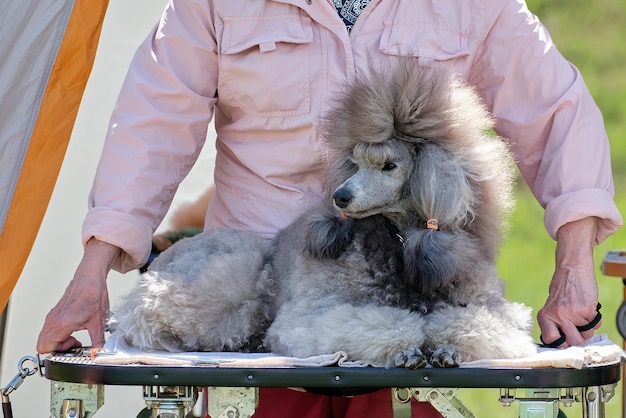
[597,351]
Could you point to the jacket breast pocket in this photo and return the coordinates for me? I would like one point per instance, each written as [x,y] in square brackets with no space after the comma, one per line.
[265,67]
[432,45]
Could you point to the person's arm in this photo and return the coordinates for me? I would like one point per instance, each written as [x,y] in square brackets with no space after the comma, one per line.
[85,303]
[573,291]
[157,130]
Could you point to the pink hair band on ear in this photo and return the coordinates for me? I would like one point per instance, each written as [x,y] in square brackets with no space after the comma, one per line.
[432,224]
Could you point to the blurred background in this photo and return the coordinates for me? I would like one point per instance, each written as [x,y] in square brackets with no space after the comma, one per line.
[592,35]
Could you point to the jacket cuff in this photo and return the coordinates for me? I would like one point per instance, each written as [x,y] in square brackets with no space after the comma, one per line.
[578,205]
[124,231]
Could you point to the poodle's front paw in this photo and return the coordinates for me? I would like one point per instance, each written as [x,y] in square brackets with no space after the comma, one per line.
[410,359]
[443,357]
[256,344]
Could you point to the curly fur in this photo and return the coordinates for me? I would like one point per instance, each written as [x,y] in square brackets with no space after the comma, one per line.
[361,273]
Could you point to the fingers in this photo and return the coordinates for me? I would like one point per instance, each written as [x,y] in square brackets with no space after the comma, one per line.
[68,344]
[588,334]
[572,335]
[66,318]
[587,330]
[553,342]
[594,323]
[54,338]
[96,334]
[551,334]
[57,336]
[560,331]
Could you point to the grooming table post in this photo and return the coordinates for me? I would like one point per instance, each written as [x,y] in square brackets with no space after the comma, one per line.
[614,265]
[595,399]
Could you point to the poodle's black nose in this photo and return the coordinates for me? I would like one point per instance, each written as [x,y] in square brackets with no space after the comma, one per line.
[342,197]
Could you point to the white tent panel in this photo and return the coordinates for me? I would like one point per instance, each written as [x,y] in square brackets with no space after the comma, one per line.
[30,35]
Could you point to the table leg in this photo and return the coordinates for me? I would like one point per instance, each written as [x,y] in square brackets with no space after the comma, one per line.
[593,406]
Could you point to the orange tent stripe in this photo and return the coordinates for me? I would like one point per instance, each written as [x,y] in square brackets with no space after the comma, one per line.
[49,140]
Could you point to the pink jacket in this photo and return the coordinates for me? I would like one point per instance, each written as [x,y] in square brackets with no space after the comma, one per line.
[267,70]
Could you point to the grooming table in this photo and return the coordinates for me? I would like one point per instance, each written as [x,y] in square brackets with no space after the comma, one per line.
[77,386]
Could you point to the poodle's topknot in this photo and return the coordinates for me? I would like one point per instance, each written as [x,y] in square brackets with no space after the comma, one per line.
[408,102]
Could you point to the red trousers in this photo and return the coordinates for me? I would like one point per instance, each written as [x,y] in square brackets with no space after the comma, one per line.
[288,403]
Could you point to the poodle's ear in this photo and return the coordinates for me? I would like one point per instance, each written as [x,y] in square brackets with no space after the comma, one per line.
[440,188]
[328,236]
[433,259]
[429,263]
[441,192]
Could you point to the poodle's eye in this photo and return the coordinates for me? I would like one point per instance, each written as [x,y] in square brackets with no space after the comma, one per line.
[389,166]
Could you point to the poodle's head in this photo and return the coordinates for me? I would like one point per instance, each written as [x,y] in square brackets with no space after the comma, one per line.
[380,180]
[415,145]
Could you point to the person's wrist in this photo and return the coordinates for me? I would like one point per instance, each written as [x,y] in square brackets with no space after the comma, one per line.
[99,255]
[575,240]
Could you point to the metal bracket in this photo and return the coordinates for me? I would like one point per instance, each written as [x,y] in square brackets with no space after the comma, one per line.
[545,403]
[75,400]
[401,402]
[540,403]
[535,403]
[169,401]
[608,391]
[227,402]
[444,400]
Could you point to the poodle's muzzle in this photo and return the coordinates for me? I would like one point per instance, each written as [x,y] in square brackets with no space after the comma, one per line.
[342,198]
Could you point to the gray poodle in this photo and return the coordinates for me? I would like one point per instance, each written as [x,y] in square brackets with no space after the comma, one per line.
[396,269]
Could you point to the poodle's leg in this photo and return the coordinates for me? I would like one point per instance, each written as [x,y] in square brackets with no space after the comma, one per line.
[383,336]
[211,292]
[479,332]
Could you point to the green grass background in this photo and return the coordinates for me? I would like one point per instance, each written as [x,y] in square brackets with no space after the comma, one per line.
[592,35]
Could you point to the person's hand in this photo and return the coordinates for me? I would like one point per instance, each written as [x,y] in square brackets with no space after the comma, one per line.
[84,305]
[571,310]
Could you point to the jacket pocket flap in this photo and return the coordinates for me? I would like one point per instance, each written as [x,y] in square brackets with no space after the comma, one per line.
[436,43]
[241,33]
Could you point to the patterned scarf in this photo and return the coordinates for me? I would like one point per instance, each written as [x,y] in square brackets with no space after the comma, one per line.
[349,10]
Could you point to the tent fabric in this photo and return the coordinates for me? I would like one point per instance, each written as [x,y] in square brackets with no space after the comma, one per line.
[47,49]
